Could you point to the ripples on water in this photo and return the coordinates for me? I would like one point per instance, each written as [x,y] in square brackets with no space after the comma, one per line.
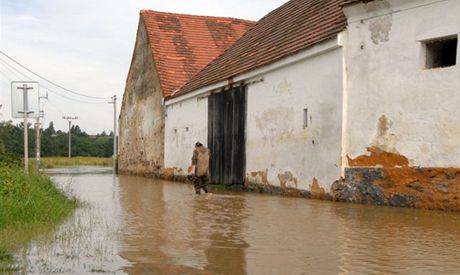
[142,226]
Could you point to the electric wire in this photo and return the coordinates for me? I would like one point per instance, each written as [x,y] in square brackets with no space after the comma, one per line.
[17,73]
[14,72]
[7,78]
[23,77]
[55,108]
[49,81]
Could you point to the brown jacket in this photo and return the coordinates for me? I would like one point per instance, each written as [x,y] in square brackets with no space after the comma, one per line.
[200,159]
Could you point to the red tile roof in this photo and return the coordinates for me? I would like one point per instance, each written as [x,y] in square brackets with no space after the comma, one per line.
[291,28]
[352,2]
[182,44]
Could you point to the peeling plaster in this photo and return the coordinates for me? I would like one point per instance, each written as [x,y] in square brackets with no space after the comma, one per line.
[272,123]
[259,176]
[378,157]
[284,87]
[170,172]
[287,180]
[317,192]
[380,26]
[384,140]
[380,29]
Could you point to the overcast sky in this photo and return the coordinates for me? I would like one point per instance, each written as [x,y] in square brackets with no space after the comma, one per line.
[86,46]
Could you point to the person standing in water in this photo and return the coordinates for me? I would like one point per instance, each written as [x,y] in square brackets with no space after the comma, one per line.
[200,168]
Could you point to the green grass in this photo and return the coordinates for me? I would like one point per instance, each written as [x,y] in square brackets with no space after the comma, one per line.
[29,205]
[53,162]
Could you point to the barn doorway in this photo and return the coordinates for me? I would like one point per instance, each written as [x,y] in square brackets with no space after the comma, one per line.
[227,136]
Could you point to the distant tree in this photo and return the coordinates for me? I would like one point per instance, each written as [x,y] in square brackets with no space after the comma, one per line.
[50,130]
[2,148]
[54,143]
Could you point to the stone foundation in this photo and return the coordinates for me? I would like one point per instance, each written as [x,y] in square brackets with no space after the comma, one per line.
[428,188]
[276,190]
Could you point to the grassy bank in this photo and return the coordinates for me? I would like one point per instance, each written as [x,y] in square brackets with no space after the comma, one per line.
[29,205]
[53,162]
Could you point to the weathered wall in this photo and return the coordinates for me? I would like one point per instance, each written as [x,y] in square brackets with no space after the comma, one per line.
[402,126]
[280,150]
[186,123]
[394,104]
[141,118]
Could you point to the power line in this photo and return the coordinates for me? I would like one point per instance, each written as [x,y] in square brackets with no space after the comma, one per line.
[15,71]
[18,73]
[49,81]
[6,76]
[71,99]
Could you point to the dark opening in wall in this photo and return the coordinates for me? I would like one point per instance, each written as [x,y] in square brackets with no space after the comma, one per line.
[441,53]
[305,118]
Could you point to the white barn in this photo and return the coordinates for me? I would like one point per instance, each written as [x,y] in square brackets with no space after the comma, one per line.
[354,100]
[270,107]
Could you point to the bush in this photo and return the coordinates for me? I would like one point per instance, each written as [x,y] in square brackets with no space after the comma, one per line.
[28,204]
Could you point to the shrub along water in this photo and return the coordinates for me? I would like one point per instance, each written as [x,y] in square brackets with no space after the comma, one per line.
[28,204]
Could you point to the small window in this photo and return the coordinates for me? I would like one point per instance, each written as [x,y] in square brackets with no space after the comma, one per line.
[441,53]
[305,118]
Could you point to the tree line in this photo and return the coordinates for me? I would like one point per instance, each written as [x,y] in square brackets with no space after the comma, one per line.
[54,143]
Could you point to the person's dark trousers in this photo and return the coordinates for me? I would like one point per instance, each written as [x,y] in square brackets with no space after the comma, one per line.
[201,183]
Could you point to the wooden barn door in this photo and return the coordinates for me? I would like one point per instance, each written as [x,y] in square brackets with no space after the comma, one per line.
[227,136]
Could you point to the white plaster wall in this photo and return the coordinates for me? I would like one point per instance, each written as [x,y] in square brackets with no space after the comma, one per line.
[277,142]
[386,76]
[186,123]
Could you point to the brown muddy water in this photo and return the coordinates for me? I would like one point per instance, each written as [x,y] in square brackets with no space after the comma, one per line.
[143,226]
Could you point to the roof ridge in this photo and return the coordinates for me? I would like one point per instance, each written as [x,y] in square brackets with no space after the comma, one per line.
[146,11]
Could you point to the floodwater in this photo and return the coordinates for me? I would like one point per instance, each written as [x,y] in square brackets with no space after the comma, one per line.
[143,226]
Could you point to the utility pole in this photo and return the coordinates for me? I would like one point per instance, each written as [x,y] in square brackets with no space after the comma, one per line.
[114,102]
[37,143]
[70,119]
[25,102]
[37,132]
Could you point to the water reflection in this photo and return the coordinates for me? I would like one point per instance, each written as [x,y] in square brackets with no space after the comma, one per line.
[405,241]
[169,229]
[142,222]
[219,219]
[143,226]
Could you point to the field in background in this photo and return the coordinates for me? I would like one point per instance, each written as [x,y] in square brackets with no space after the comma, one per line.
[53,162]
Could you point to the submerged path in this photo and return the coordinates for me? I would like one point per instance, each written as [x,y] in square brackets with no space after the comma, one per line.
[144,226]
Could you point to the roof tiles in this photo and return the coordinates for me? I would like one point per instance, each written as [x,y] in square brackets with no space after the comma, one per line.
[182,44]
[293,27]
[352,2]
